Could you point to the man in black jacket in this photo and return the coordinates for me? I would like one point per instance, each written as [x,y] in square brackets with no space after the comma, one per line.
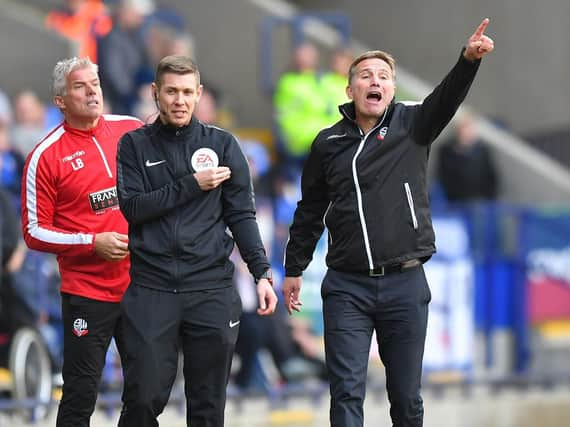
[182,184]
[365,181]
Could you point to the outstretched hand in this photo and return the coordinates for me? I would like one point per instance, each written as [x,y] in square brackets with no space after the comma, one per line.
[479,44]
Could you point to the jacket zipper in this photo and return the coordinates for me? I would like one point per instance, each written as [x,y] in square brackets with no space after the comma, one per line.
[103,157]
[175,243]
[411,204]
[176,253]
[359,194]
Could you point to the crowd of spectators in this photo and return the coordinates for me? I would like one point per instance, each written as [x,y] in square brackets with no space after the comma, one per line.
[126,38]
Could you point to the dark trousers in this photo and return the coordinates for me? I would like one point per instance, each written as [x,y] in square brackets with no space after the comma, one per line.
[396,307]
[88,326]
[206,322]
[258,332]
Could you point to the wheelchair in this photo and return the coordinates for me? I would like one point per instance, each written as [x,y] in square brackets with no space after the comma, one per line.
[30,350]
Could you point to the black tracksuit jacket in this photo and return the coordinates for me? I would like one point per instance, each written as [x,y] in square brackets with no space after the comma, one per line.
[370,190]
[178,237]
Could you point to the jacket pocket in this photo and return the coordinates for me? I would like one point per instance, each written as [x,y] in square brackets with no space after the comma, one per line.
[329,208]
[411,204]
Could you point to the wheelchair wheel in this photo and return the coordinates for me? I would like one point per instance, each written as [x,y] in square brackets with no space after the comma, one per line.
[30,365]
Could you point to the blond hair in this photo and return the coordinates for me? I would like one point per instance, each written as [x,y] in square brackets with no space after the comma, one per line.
[379,54]
[177,64]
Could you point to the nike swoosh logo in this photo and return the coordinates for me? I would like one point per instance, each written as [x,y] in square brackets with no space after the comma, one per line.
[234,324]
[148,163]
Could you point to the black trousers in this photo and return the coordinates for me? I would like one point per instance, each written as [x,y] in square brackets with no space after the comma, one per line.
[206,322]
[396,307]
[258,332]
[88,327]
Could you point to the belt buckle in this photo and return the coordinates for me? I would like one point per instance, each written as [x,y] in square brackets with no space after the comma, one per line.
[376,272]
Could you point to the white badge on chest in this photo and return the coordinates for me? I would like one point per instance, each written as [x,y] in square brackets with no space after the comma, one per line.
[204,158]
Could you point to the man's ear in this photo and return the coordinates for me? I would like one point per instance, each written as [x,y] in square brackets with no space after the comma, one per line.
[154,90]
[349,92]
[199,93]
[58,102]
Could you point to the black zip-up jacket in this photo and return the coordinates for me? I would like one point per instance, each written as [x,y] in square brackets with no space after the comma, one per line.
[178,237]
[370,190]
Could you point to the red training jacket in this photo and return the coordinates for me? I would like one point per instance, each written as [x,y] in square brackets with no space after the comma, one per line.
[69,195]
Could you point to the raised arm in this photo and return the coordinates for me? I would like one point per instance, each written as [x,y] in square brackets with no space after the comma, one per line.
[479,44]
[437,109]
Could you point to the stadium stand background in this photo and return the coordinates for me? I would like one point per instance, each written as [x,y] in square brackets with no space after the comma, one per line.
[523,85]
[28,49]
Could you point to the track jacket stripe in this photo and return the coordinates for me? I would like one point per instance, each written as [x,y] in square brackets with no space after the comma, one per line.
[34,229]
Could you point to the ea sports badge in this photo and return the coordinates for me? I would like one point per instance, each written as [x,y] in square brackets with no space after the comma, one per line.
[204,158]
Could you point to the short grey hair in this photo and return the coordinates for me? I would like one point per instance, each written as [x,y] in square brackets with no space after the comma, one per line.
[64,67]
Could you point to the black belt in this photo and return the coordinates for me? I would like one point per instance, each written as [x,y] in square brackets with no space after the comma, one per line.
[394,268]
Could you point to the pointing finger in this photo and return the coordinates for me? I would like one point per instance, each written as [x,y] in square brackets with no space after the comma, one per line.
[481,28]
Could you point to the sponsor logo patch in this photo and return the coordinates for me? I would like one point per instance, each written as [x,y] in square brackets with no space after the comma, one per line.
[80,327]
[75,159]
[204,158]
[104,199]
[71,157]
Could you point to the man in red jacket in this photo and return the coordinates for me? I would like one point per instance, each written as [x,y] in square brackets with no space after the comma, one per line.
[70,208]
